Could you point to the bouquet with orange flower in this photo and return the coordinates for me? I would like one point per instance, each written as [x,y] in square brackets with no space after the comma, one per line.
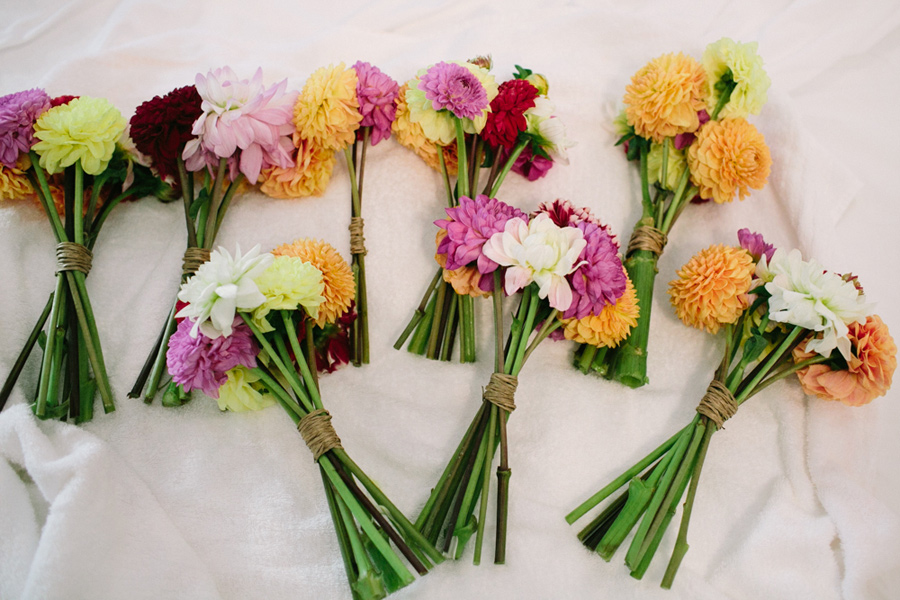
[339,109]
[458,119]
[685,123]
[782,315]
[227,129]
[73,156]
[566,265]
[238,341]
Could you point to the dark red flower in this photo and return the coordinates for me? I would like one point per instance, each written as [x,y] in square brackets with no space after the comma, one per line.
[507,116]
[60,100]
[162,126]
[332,342]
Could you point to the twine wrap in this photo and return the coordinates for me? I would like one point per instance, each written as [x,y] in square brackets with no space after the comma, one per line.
[318,433]
[647,238]
[193,258]
[501,390]
[357,240]
[71,256]
[718,404]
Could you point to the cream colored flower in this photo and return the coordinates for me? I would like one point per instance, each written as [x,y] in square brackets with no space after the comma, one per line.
[677,163]
[243,392]
[86,130]
[744,66]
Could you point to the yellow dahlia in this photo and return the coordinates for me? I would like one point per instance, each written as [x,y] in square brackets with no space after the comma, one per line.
[711,289]
[665,96]
[742,64]
[287,284]
[14,185]
[729,157]
[327,110]
[677,163]
[339,287]
[611,326]
[465,279]
[309,177]
[86,129]
[410,134]
[243,392]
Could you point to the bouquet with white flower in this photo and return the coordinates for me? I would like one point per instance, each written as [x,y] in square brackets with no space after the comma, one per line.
[782,315]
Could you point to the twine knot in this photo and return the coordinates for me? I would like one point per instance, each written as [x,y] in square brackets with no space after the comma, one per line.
[647,238]
[71,256]
[318,433]
[501,390]
[357,240]
[193,258]
[718,404]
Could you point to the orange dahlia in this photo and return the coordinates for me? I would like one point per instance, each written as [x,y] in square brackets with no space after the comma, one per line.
[412,136]
[14,185]
[611,326]
[868,374]
[336,275]
[665,96]
[309,177]
[327,110]
[464,279]
[727,157]
[711,289]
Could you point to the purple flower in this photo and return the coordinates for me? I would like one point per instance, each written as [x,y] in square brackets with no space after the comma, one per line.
[455,88]
[600,279]
[18,112]
[376,93]
[469,227]
[755,244]
[202,363]
[530,165]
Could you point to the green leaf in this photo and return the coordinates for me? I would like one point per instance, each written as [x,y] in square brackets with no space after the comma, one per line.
[202,198]
[522,72]
[753,348]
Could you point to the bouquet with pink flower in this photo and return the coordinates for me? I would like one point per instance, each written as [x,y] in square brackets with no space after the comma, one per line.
[685,123]
[239,342]
[456,111]
[566,265]
[227,129]
[73,156]
[782,315]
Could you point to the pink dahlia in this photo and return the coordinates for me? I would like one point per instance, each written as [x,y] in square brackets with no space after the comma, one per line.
[599,279]
[470,226]
[376,93]
[242,114]
[755,245]
[455,88]
[202,363]
[18,112]
[530,165]
[507,117]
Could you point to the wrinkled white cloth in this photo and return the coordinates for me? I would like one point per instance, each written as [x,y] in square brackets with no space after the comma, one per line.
[799,498]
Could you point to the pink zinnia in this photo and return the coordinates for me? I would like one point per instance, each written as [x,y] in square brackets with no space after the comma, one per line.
[455,88]
[530,165]
[202,363]
[376,93]
[241,114]
[470,226]
[600,279]
[18,112]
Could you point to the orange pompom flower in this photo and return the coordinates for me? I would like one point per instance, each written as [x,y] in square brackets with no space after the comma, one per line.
[309,177]
[336,275]
[465,279]
[14,184]
[869,371]
[711,288]
[729,157]
[665,96]
[327,110]
[411,135]
[611,326]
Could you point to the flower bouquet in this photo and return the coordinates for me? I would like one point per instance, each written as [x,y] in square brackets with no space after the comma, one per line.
[685,123]
[239,341]
[458,105]
[227,129]
[782,316]
[72,154]
[339,109]
[566,265]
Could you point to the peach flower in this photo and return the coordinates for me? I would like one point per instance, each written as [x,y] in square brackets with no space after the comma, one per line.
[464,279]
[728,157]
[340,287]
[309,177]
[412,136]
[611,326]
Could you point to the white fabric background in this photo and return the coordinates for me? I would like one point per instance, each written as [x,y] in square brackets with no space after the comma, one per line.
[799,498]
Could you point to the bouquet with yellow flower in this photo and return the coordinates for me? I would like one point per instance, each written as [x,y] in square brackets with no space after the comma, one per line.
[71,155]
[339,109]
[782,315]
[685,123]
[227,129]
[238,341]
[459,120]
[567,266]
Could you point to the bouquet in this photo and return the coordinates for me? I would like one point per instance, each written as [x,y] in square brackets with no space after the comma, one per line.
[685,122]
[226,130]
[239,341]
[566,265]
[459,106]
[781,316]
[339,109]
[72,155]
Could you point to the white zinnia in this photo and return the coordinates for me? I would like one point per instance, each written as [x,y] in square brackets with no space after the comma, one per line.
[538,251]
[221,286]
[806,295]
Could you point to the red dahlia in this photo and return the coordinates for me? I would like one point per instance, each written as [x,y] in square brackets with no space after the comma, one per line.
[162,126]
[507,116]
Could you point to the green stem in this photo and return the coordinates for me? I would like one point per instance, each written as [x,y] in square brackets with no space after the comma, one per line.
[32,339]
[462,174]
[495,188]
[303,360]
[159,365]
[104,214]
[420,310]
[677,202]
[437,326]
[533,305]
[223,208]
[445,176]
[342,532]
[485,483]
[187,195]
[288,374]
[215,201]
[49,348]
[551,324]
[747,388]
